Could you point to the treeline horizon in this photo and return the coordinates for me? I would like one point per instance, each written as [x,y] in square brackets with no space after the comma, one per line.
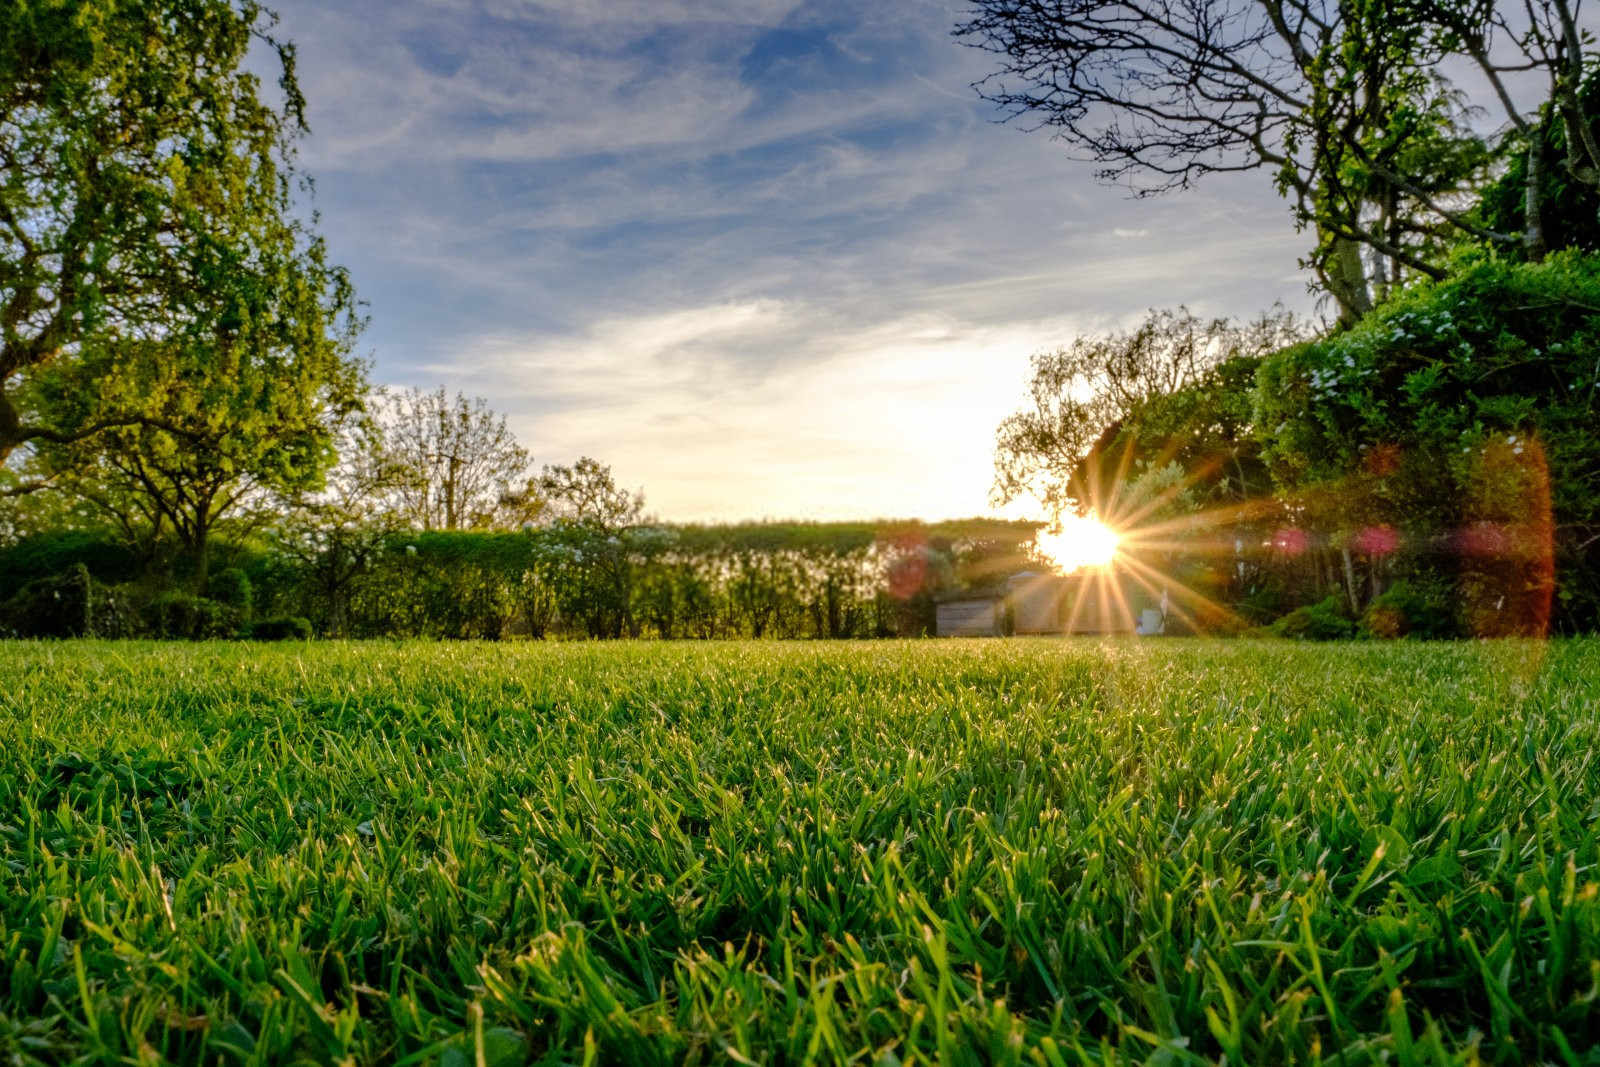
[569,578]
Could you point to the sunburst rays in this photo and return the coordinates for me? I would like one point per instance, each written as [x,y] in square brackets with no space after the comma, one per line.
[1155,533]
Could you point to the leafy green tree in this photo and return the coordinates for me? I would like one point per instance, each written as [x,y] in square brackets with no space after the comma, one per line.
[144,198]
[1457,423]
[1083,394]
[205,427]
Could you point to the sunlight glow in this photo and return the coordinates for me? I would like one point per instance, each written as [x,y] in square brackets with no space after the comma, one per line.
[1078,541]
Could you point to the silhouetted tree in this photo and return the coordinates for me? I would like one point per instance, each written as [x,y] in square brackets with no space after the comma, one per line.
[1341,102]
[460,466]
[1081,394]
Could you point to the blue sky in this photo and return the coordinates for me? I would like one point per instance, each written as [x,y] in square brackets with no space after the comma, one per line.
[765,258]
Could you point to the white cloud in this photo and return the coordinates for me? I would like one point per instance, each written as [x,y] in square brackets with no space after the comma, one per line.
[813,297]
[886,418]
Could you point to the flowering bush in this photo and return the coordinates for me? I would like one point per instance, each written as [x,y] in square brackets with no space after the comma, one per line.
[1461,416]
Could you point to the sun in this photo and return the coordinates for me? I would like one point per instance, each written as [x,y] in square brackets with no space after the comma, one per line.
[1078,541]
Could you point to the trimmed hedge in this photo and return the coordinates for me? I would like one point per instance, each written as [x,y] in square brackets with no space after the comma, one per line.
[105,557]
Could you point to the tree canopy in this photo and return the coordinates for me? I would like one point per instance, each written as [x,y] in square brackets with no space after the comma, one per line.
[1343,102]
[1082,394]
[146,205]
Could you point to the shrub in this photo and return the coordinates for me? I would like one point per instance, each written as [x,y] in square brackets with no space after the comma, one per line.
[1325,620]
[1460,413]
[114,611]
[46,555]
[1410,609]
[56,606]
[183,615]
[283,628]
[231,587]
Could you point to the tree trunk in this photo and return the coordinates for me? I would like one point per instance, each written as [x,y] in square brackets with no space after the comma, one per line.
[202,555]
[1346,278]
[1350,581]
[1533,239]
[10,428]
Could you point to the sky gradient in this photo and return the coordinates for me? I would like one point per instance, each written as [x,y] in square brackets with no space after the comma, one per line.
[767,259]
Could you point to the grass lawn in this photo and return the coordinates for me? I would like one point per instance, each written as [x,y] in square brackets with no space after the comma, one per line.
[1008,851]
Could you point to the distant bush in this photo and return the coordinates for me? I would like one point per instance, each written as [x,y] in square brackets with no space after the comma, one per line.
[285,628]
[55,606]
[1410,609]
[1325,620]
[116,611]
[196,618]
[231,587]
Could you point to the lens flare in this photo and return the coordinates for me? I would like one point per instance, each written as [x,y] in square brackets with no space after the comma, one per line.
[1078,541]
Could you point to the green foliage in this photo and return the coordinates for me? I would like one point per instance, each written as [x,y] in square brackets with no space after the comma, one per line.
[117,611]
[573,578]
[232,587]
[1326,620]
[1205,428]
[57,605]
[281,628]
[1015,852]
[1461,413]
[176,614]
[1172,382]
[441,584]
[1497,347]
[1570,208]
[148,193]
[1412,609]
[107,558]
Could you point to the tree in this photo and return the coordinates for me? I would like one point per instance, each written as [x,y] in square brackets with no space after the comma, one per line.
[1083,394]
[1544,37]
[591,546]
[462,467]
[1340,100]
[587,492]
[141,171]
[337,534]
[1455,427]
[1541,192]
[199,426]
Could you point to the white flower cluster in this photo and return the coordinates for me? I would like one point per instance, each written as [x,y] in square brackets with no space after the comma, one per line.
[1516,443]
[1325,382]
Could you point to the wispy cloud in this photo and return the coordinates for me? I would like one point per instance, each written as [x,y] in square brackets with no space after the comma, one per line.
[771,409]
[765,256]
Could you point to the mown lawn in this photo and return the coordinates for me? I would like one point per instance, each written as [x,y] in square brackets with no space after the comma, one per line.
[1003,851]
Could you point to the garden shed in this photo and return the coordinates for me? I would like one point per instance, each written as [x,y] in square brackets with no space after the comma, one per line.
[970,613]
